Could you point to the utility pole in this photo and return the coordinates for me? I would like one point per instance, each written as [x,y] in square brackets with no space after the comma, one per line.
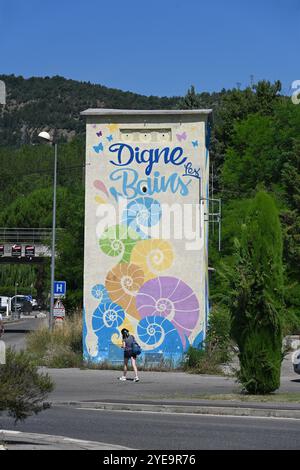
[16,285]
[46,136]
[2,93]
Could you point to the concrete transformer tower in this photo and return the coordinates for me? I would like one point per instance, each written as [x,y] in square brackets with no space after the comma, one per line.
[146,232]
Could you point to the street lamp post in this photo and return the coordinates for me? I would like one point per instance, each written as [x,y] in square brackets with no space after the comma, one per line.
[46,136]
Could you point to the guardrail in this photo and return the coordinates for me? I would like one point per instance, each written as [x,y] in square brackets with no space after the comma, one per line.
[30,235]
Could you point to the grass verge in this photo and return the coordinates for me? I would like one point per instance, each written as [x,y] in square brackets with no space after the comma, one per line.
[60,348]
[244,397]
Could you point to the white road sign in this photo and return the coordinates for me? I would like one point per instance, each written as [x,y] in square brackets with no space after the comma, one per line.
[59,309]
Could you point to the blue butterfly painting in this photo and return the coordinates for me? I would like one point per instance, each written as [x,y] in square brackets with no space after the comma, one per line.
[98,148]
[110,138]
[195,143]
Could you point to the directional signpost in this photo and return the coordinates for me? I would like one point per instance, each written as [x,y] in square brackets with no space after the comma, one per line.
[59,312]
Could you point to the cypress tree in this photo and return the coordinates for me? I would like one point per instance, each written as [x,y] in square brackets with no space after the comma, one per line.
[257,297]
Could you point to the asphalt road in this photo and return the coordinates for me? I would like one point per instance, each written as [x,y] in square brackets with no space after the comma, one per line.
[163,431]
[15,333]
[150,430]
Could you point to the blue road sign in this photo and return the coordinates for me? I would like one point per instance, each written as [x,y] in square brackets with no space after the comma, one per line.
[60,288]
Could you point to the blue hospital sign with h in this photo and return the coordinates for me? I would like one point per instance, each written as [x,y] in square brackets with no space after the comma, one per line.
[60,288]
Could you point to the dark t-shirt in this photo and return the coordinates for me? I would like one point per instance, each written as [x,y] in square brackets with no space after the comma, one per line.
[128,343]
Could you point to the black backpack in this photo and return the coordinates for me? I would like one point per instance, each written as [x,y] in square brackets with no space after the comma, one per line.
[136,348]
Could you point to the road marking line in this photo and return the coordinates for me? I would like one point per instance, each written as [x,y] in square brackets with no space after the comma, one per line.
[10,432]
[56,439]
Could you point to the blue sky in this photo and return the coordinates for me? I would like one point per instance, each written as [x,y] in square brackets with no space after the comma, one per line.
[157,47]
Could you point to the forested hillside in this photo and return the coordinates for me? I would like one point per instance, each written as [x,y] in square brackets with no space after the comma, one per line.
[39,103]
[255,144]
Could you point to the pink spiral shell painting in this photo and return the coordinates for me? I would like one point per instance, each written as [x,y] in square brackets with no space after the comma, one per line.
[171,298]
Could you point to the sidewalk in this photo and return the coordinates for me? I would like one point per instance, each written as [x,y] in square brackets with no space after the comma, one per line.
[33,315]
[171,392]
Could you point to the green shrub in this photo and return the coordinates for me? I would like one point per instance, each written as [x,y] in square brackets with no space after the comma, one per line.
[208,357]
[200,361]
[218,339]
[22,388]
[193,357]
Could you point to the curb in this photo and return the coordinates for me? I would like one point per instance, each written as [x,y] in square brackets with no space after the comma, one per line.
[10,322]
[60,442]
[260,412]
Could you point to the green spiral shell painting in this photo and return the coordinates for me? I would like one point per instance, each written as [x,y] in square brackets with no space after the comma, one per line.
[119,241]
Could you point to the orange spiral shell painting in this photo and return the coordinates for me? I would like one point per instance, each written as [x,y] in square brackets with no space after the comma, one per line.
[123,283]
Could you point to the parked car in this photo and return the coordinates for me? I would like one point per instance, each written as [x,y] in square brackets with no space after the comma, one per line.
[296,361]
[21,304]
[35,305]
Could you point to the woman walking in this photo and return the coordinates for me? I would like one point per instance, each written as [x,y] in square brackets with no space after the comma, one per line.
[127,345]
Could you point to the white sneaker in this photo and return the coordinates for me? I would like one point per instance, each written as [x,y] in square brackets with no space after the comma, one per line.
[136,379]
[123,378]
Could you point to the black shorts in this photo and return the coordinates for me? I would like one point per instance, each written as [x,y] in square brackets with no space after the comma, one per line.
[129,355]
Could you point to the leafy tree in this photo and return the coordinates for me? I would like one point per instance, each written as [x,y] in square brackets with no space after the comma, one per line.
[251,158]
[23,275]
[266,94]
[35,210]
[191,100]
[70,245]
[257,297]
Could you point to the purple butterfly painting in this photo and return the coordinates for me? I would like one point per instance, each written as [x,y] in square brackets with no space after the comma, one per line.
[99,134]
[181,137]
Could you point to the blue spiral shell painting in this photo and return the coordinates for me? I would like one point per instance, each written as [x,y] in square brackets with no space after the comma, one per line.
[108,315]
[141,214]
[157,334]
[105,321]
[99,292]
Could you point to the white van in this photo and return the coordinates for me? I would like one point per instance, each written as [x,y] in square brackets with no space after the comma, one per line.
[4,305]
[296,361]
